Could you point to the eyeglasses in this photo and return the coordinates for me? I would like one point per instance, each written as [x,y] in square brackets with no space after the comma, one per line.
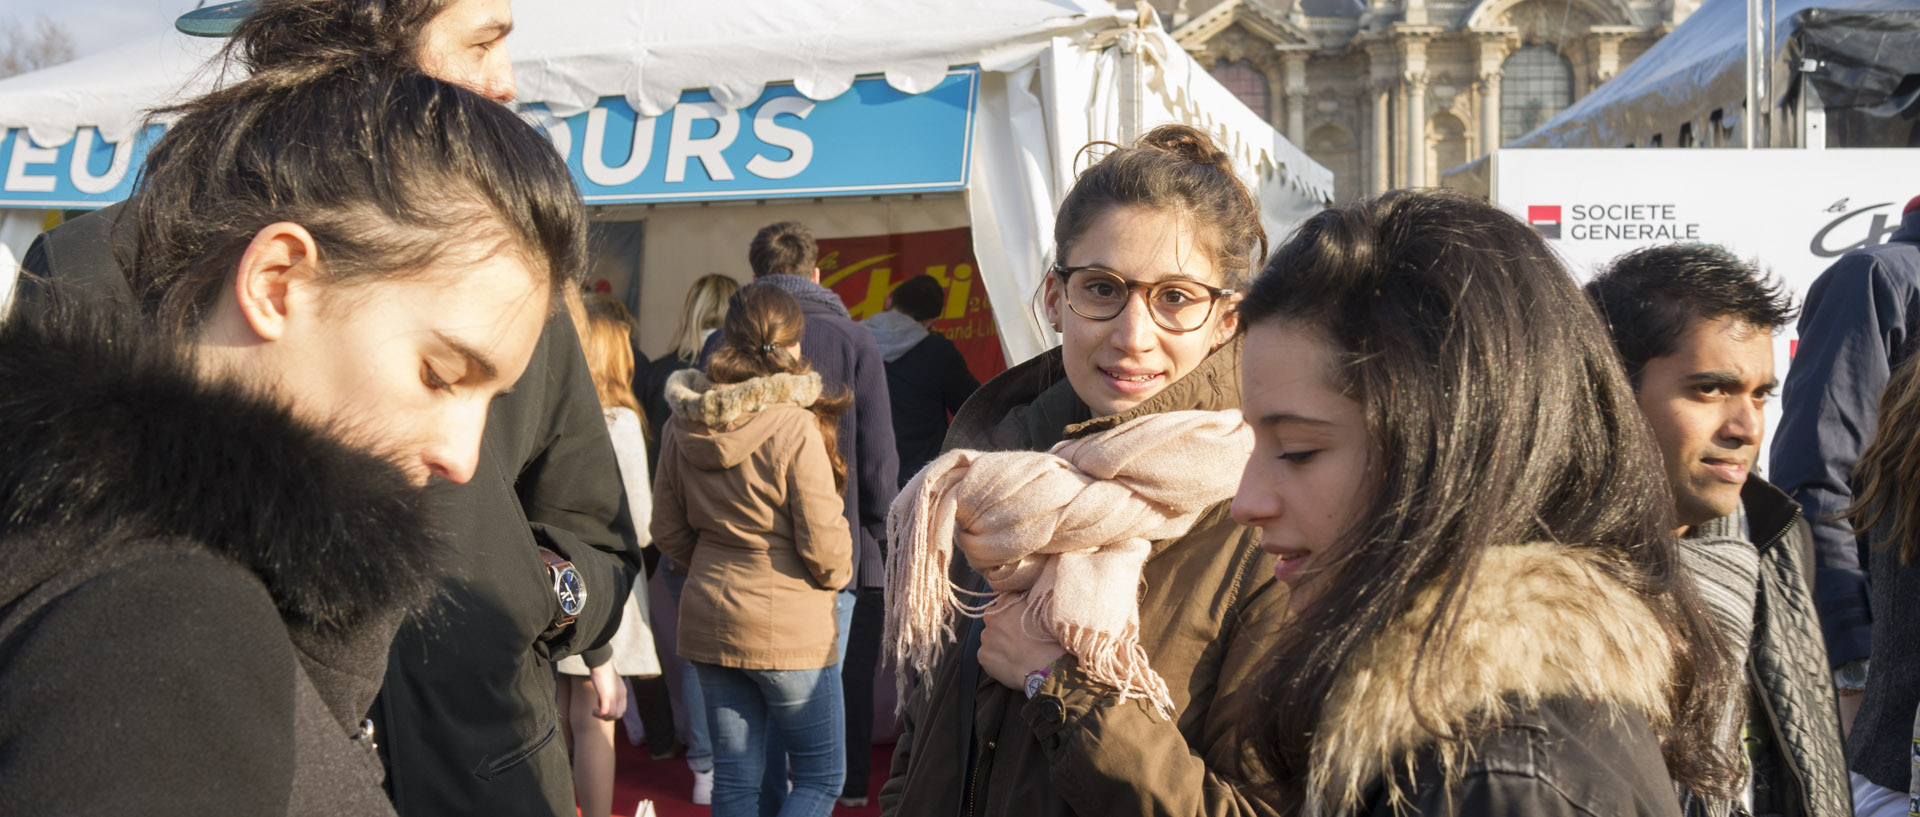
[1100,294]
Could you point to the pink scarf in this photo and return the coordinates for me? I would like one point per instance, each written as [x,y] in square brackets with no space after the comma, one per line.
[1070,529]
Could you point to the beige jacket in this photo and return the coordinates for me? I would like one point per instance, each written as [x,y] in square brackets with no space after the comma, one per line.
[744,497]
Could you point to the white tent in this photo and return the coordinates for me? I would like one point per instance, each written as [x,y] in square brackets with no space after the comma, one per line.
[1038,80]
[1696,69]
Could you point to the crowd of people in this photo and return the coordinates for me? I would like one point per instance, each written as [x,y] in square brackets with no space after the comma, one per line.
[324,489]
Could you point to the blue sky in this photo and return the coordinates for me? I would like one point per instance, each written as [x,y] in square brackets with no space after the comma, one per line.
[96,25]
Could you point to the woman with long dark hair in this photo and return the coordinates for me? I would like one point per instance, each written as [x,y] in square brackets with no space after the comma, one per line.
[748,497]
[1490,616]
[211,511]
[1887,511]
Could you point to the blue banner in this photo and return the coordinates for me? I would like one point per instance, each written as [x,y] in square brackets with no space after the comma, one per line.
[85,172]
[871,140]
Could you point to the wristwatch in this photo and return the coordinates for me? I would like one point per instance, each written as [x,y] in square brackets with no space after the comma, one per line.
[1851,677]
[567,587]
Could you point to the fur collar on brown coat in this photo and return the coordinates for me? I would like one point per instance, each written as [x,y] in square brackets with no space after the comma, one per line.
[1540,621]
[697,400]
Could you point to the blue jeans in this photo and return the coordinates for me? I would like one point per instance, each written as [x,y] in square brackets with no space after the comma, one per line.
[803,707]
[699,746]
[773,789]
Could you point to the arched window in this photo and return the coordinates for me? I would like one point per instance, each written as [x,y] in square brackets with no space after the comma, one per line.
[1331,146]
[1535,83]
[1246,82]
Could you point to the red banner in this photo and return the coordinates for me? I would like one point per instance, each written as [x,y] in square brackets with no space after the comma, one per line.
[862,270]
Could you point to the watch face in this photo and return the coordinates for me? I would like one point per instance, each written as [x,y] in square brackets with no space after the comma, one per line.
[573,595]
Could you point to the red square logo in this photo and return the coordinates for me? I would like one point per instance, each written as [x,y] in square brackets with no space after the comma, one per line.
[1545,218]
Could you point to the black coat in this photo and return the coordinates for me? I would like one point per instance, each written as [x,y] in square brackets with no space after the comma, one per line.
[1859,321]
[1803,772]
[927,385]
[199,590]
[467,709]
[1562,758]
[844,354]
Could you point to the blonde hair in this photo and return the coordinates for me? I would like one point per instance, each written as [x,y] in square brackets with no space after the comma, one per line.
[706,308]
[606,336]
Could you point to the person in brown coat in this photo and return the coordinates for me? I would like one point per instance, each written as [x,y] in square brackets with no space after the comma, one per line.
[748,497]
[1008,725]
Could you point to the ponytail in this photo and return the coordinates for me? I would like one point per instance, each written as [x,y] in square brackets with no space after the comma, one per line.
[762,323]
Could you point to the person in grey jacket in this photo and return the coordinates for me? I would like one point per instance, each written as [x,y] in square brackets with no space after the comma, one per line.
[1694,326]
[1857,325]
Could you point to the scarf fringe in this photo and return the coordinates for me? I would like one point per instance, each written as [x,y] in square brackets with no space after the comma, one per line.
[1164,462]
[921,599]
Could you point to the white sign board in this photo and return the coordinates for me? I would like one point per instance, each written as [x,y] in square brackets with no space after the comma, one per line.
[1790,211]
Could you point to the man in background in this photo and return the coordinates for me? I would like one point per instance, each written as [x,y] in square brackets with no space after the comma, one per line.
[1694,326]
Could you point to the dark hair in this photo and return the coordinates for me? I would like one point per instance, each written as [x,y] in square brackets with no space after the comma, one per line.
[920,298]
[1498,416]
[388,169]
[1648,296]
[762,321]
[1172,168]
[1890,467]
[304,38]
[785,248]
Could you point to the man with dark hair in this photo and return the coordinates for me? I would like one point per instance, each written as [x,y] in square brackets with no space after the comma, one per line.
[927,379]
[1694,326]
[782,255]
[466,717]
[784,248]
[1861,316]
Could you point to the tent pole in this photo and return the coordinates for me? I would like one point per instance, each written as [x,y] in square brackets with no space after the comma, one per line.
[1753,58]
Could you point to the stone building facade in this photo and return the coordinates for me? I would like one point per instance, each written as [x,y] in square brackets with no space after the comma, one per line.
[1394,94]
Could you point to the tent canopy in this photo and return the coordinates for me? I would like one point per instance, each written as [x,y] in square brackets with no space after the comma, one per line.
[1697,68]
[1052,76]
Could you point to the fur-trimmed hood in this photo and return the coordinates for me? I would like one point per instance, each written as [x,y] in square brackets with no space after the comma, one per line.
[721,417]
[1541,621]
[107,436]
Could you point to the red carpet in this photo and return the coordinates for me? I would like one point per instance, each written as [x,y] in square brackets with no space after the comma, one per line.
[669,784]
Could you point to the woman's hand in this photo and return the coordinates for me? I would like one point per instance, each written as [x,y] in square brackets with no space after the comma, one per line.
[1008,653]
[610,689]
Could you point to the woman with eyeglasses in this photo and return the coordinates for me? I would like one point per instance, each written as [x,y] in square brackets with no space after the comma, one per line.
[1153,242]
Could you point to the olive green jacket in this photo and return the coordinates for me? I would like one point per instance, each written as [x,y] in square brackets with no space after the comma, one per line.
[1209,611]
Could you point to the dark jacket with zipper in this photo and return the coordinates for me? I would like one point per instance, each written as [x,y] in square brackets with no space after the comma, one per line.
[199,589]
[1209,609]
[1801,769]
[467,713]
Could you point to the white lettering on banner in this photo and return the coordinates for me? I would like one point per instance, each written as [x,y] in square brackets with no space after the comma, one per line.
[25,152]
[681,145]
[84,180]
[770,131]
[594,163]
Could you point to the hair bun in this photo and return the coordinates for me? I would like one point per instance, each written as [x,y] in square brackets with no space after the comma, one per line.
[1188,143]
